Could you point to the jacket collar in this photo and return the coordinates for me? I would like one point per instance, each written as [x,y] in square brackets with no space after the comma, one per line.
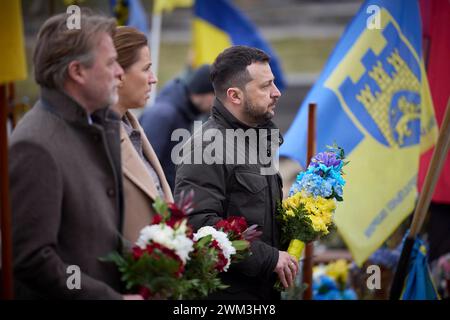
[134,167]
[228,120]
[67,108]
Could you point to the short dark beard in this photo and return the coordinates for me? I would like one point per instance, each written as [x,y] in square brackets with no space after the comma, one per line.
[257,118]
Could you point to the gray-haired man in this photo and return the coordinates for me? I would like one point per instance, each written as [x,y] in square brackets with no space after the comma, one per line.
[64,164]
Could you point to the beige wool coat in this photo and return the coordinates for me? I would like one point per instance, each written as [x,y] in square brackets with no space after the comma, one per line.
[139,187]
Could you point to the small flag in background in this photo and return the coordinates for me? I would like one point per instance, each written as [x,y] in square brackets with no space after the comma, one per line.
[13,65]
[419,284]
[219,25]
[168,5]
[436,21]
[130,13]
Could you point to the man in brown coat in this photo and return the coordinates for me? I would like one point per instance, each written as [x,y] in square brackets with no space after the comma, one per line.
[65,170]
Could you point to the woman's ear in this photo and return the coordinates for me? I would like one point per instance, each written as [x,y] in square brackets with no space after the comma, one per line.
[234,95]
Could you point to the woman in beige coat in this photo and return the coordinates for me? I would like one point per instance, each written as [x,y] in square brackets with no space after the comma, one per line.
[143,177]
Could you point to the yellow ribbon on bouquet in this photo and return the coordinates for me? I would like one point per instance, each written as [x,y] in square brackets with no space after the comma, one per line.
[296,248]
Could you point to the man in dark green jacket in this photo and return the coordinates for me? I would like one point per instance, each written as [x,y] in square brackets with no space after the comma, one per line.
[230,164]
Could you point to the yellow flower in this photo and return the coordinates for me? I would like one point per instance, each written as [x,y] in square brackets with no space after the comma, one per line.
[320,209]
[310,206]
[325,205]
[338,271]
[327,217]
[318,224]
[289,212]
[292,201]
[287,203]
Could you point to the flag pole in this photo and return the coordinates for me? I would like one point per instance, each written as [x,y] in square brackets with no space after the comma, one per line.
[5,209]
[421,210]
[309,248]
[155,43]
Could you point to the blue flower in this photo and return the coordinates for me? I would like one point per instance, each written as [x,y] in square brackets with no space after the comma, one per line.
[338,189]
[349,294]
[325,288]
[313,184]
[323,177]
[329,159]
[335,173]
[330,295]
[386,257]
[324,283]
[326,172]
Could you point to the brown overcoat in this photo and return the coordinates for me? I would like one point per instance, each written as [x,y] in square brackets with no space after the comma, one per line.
[66,198]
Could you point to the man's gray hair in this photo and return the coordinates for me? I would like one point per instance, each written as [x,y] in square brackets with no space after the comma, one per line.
[57,46]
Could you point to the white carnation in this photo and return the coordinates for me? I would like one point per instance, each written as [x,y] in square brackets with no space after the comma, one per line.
[183,246]
[168,237]
[221,238]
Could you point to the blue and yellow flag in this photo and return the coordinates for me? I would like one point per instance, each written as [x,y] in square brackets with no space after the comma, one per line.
[13,66]
[130,13]
[159,6]
[419,282]
[373,100]
[219,25]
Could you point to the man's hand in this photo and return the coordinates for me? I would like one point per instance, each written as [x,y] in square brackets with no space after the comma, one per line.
[287,268]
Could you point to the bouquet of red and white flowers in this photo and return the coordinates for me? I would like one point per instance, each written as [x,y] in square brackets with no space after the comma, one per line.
[231,238]
[170,261]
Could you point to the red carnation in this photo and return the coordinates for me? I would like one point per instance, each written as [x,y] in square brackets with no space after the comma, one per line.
[240,223]
[156,219]
[221,260]
[137,252]
[189,232]
[145,292]
[172,222]
[234,225]
[176,212]
[170,253]
[224,225]
[149,248]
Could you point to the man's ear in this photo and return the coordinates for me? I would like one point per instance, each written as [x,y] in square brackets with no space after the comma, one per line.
[235,95]
[76,72]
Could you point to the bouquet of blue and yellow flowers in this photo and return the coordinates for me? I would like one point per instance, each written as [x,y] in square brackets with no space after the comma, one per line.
[307,214]
[331,282]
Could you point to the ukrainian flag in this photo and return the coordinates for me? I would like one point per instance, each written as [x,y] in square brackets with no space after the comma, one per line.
[159,6]
[13,65]
[374,101]
[419,283]
[130,13]
[219,25]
